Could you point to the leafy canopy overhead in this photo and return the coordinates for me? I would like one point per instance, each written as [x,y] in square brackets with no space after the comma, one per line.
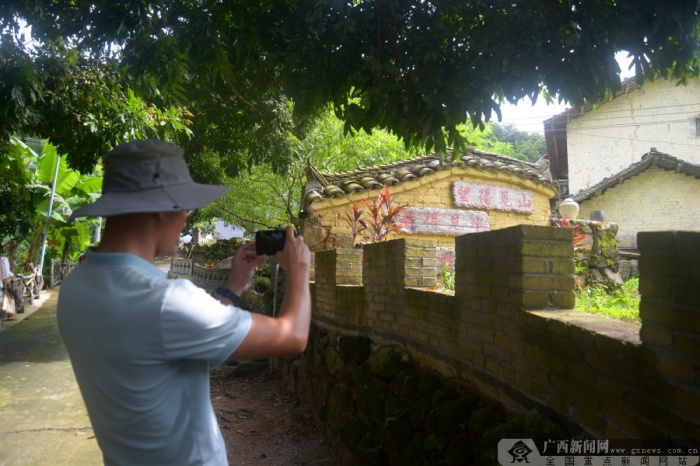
[82,106]
[417,68]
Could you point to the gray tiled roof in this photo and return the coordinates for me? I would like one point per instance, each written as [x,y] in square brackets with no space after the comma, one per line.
[329,185]
[650,159]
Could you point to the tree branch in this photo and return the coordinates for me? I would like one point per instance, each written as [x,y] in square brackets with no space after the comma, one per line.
[240,97]
[235,215]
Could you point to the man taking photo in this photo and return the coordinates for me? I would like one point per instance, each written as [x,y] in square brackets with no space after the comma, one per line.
[141,344]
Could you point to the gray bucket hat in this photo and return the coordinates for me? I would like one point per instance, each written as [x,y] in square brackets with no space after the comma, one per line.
[147,176]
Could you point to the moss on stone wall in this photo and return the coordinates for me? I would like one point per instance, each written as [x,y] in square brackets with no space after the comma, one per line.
[596,259]
[380,407]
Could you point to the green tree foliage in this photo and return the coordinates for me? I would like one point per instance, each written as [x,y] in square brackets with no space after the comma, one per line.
[416,68]
[526,146]
[262,198]
[82,106]
[72,191]
[505,140]
[15,203]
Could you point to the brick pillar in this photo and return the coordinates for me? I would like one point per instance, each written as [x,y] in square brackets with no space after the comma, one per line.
[335,267]
[348,266]
[400,263]
[669,282]
[387,269]
[527,266]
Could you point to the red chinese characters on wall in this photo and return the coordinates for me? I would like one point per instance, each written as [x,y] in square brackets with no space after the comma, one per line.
[449,222]
[446,257]
[492,197]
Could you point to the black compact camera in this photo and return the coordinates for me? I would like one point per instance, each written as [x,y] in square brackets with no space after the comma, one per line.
[268,242]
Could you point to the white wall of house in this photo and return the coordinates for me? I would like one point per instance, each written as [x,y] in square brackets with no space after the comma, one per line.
[225,231]
[609,139]
[654,200]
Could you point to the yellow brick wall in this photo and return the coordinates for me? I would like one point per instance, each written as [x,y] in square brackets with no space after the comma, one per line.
[654,200]
[432,191]
[501,331]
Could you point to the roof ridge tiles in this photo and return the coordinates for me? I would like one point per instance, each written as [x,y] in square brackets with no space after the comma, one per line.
[402,171]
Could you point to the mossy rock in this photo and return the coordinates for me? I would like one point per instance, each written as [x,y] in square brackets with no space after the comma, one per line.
[406,385]
[450,417]
[394,405]
[460,451]
[394,436]
[309,369]
[387,361]
[345,373]
[433,450]
[429,384]
[418,412]
[334,362]
[339,407]
[351,432]
[484,419]
[412,455]
[357,348]
[322,388]
[360,375]
[295,372]
[442,395]
[531,426]
[314,360]
[369,450]
[321,344]
[371,396]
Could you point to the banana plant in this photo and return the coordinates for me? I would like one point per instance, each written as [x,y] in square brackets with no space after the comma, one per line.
[72,190]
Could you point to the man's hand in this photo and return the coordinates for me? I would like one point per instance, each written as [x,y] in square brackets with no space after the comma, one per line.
[243,266]
[296,255]
[288,333]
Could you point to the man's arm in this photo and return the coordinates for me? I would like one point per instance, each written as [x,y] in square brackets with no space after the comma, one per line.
[287,334]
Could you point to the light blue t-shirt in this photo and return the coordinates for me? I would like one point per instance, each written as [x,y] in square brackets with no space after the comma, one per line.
[140,346]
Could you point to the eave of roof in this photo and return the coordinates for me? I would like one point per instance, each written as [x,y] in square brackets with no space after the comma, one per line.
[649,160]
[329,185]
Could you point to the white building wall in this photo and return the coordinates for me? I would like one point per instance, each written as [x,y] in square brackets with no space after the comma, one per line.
[223,230]
[615,135]
[654,200]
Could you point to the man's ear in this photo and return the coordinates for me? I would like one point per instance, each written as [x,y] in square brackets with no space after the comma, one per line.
[158,218]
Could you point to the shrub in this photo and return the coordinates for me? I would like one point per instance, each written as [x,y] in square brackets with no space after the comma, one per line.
[622,304]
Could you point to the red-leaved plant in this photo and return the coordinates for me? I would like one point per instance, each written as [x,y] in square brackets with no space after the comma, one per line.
[354,221]
[379,218]
[383,216]
[579,236]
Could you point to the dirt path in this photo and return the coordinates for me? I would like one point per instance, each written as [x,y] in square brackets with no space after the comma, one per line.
[261,422]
